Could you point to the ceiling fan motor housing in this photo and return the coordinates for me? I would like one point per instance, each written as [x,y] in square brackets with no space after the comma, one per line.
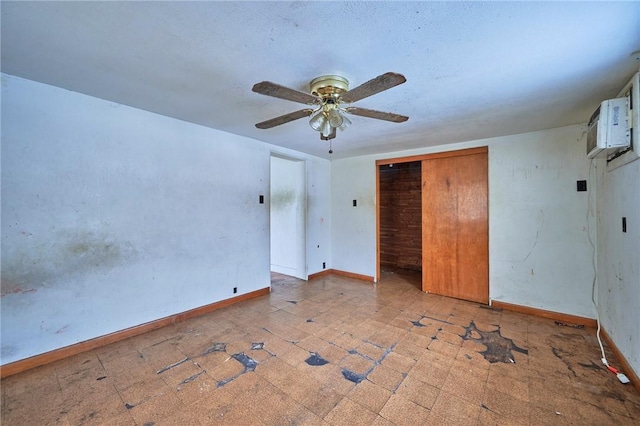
[329,86]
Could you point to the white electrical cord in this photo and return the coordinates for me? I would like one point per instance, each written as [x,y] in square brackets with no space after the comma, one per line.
[595,268]
[623,379]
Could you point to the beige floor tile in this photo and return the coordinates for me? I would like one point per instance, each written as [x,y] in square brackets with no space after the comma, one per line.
[275,371]
[348,412]
[386,377]
[398,362]
[401,411]
[211,405]
[488,417]
[468,388]
[98,389]
[432,374]
[409,349]
[506,405]
[295,355]
[226,371]
[511,386]
[356,364]
[449,420]
[96,410]
[185,371]
[417,391]
[312,344]
[370,395]
[199,387]
[370,350]
[321,400]
[381,421]
[447,349]
[22,410]
[155,408]
[455,409]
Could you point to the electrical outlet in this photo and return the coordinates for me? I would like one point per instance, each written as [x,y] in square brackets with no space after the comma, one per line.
[262,199]
[582,185]
[624,224]
[324,265]
[355,203]
[235,290]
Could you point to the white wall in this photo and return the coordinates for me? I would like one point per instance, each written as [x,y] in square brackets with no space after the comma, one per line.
[538,242]
[619,257]
[113,216]
[353,229]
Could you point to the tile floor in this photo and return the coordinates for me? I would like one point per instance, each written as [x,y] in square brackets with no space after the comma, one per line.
[329,352]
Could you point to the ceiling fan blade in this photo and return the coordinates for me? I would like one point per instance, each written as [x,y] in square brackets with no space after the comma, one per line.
[277,91]
[284,119]
[370,113]
[371,87]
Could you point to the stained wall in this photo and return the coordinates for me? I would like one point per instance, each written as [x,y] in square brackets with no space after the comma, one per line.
[113,217]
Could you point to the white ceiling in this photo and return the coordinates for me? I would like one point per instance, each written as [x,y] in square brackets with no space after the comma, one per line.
[474,69]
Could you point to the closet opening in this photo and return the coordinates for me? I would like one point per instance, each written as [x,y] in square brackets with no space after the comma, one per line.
[400,219]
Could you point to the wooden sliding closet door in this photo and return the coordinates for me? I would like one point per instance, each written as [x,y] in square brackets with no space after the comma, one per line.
[455,225]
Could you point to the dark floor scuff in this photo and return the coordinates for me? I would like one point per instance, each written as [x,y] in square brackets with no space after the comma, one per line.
[170,366]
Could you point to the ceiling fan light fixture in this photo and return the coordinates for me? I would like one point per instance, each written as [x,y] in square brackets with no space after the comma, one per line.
[326,128]
[335,118]
[345,123]
[318,121]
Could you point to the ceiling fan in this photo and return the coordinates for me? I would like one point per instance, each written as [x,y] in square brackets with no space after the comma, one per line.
[328,94]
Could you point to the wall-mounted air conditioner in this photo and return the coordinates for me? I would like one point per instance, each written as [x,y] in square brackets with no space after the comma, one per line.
[609,127]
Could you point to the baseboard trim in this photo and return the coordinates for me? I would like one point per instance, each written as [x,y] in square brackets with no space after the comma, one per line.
[360,277]
[67,351]
[320,274]
[570,319]
[625,367]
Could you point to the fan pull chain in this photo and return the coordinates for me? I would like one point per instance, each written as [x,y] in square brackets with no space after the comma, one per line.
[330,148]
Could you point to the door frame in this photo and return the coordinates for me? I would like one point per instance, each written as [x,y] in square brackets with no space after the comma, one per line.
[301,241]
[412,158]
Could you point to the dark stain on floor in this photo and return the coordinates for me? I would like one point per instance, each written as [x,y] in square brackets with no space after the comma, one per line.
[216,347]
[175,364]
[592,365]
[248,363]
[499,348]
[192,378]
[316,360]
[353,377]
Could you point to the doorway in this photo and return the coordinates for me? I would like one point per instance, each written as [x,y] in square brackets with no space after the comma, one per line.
[454,225]
[288,216]
[400,217]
